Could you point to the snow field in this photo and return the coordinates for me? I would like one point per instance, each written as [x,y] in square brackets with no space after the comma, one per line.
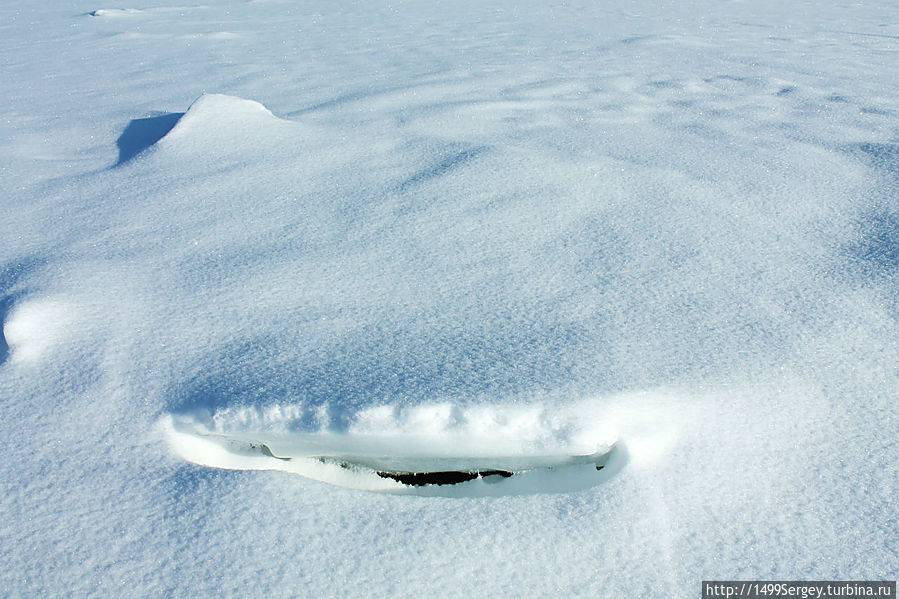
[672,226]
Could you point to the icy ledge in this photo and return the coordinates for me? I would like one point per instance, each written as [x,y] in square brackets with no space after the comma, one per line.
[416,454]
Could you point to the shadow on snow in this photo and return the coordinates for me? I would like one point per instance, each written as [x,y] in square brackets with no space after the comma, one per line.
[140,134]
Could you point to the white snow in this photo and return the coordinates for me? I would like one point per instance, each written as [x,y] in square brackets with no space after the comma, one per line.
[34,328]
[507,228]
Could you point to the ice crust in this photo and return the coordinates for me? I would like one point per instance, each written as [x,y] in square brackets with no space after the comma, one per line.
[674,226]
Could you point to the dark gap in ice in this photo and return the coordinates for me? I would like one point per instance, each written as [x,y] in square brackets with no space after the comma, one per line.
[447,477]
[140,134]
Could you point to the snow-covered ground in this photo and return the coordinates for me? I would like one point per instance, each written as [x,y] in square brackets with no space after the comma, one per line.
[672,225]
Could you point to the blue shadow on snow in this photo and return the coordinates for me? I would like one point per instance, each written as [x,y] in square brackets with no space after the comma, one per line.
[140,134]
[881,156]
[878,244]
[5,305]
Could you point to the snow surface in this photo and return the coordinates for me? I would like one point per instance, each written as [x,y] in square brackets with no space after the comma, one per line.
[671,224]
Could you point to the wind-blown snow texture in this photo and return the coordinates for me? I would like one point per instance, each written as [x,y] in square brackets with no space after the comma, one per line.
[677,222]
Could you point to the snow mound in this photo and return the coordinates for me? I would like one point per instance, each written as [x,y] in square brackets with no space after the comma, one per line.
[220,111]
[219,124]
[35,327]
